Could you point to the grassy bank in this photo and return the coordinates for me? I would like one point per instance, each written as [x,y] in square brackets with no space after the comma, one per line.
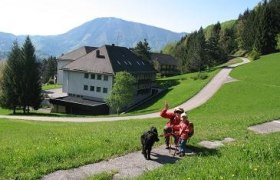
[31,149]
[251,100]
[178,90]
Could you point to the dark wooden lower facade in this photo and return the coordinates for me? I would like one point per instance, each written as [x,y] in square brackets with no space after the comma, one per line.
[78,105]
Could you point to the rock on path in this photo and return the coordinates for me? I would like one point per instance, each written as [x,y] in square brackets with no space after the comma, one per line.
[265,128]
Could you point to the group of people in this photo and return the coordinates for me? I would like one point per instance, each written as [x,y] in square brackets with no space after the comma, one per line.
[178,127]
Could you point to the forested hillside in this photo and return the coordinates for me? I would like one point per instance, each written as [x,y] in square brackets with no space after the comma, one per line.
[256,32]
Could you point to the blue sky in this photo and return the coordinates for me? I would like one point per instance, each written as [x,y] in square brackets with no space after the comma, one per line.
[50,17]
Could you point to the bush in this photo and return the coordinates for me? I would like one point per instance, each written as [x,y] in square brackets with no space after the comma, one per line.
[200,75]
[254,55]
[51,81]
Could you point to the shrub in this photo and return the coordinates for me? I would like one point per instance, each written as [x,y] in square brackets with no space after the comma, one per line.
[200,75]
[51,81]
[254,55]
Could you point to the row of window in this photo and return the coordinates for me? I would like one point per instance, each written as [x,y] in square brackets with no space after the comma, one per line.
[97,89]
[167,67]
[96,76]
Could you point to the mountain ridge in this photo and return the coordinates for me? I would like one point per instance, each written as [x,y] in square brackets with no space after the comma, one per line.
[96,32]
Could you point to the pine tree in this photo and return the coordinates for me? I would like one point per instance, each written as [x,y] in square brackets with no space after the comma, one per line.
[267,28]
[31,96]
[48,69]
[196,59]
[10,86]
[142,50]
[227,41]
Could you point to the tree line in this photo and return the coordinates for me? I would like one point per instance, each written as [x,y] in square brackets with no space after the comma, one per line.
[256,32]
[21,83]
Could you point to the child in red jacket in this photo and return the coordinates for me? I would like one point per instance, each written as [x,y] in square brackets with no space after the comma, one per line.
[172,125]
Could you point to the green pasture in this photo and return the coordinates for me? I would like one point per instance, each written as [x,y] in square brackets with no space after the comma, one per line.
[254,99]
[51,86]
[30,149]
[178,90]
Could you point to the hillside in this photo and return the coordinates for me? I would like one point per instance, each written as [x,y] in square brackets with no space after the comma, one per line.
[97,32]
[253,99]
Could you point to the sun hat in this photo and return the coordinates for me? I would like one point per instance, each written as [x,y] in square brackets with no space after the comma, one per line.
[178,109]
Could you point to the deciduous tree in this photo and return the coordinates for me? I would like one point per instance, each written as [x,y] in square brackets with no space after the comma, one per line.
[123,91]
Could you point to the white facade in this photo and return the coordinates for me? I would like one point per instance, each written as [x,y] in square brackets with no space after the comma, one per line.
[61,64]
[90,85]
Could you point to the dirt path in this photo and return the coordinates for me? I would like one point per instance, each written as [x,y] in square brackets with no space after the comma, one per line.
[127,166]
[205,94]
[134,164]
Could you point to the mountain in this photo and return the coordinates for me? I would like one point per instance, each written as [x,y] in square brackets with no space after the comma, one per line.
[97,32]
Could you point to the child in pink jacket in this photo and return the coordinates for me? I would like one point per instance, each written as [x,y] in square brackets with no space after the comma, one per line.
[184,130]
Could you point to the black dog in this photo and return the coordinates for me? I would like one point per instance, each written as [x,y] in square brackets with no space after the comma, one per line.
[147,140]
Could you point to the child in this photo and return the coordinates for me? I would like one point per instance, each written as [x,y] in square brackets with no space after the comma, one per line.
[183,134]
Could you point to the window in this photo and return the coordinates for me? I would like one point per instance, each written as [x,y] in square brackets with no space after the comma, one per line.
[98,89]
[105,90]
[92,76]
[105,78]
[91,88]
[99,77]
[86,75]
[85,87]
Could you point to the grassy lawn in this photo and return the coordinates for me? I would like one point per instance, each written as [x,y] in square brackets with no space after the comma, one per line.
[31,149]
[252,100]
[179,89]
[51,86]
[5,111]
[232,61]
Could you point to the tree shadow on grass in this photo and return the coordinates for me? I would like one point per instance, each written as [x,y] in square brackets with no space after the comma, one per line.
[203,151]
[166,85]
[150,102]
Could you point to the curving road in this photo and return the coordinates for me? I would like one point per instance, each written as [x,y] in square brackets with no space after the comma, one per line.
[205,94]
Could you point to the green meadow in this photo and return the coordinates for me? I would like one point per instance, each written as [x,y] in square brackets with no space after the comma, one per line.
[253,99]
[178,89]
[30,149]
[51,86]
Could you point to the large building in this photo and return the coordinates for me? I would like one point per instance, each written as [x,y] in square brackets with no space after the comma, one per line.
[165,64]
[70,57]
[88,78]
